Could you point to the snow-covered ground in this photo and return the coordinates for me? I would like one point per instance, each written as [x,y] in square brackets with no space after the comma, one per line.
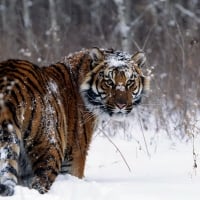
[164,173]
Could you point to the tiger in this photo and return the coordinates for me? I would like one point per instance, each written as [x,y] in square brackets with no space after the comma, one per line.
[48,114]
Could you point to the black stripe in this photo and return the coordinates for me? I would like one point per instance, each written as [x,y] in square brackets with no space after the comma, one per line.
[84,130]
[37,88]
[138,98]
[8,169]
[58,69]
[6,135]
[81,61]
[19,90]
[10,154]
[17,73]
[16,67]
[12,109]
[65,171]
[33,106]
[13,94]
[41,171]
[68,155]
[143,83]
[42,157]
[26,66]
[91,96]
[68,164]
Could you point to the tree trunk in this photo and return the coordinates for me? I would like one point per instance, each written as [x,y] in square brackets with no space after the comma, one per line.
[27,24]
[53,31]
[123,24]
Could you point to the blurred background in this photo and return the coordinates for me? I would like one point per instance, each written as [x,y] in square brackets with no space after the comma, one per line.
[167,31]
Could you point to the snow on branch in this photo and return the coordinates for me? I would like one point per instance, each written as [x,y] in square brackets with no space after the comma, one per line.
[187,12]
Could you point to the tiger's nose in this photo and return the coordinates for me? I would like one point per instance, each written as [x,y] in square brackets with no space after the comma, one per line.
[120,105]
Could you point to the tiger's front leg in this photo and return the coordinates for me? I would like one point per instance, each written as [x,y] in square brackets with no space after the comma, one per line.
[81,145]
[46,166]
[76,152]
[74,162]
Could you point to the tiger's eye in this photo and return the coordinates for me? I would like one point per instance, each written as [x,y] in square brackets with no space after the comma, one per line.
[130,82]
[109,82]
[101,74]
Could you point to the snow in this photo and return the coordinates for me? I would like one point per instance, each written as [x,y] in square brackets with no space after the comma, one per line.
[3,154]
[116,63]
[25,52]
[165,172]
[53,87]
[10,127]
[118,59]
[50,120]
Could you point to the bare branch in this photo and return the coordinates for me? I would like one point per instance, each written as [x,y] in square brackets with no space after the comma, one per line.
[118,150]
[187,12]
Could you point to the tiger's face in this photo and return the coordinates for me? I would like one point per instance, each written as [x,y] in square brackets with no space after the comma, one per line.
[115,85]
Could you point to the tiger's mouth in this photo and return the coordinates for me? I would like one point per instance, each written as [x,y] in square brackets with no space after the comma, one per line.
[118,111]
[121,107]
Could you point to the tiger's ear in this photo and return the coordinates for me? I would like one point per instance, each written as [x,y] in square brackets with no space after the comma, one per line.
[97,55]
[139,58]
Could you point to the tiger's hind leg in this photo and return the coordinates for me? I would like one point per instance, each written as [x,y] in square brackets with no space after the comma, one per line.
[9,154]
[46,158]
[46,170]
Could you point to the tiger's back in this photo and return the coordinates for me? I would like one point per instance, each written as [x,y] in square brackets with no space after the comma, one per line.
[48,114]
[36,113]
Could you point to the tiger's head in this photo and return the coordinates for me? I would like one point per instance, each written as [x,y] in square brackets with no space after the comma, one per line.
[115,84]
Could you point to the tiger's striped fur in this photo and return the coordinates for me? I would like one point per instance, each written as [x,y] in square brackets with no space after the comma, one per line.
[48,114]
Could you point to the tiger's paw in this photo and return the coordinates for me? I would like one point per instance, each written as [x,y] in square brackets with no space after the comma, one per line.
[6,190]
[41,186]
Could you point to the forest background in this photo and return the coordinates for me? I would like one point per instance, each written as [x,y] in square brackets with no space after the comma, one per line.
[167,31]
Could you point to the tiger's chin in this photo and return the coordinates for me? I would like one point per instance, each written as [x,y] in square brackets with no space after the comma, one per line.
[115,114]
